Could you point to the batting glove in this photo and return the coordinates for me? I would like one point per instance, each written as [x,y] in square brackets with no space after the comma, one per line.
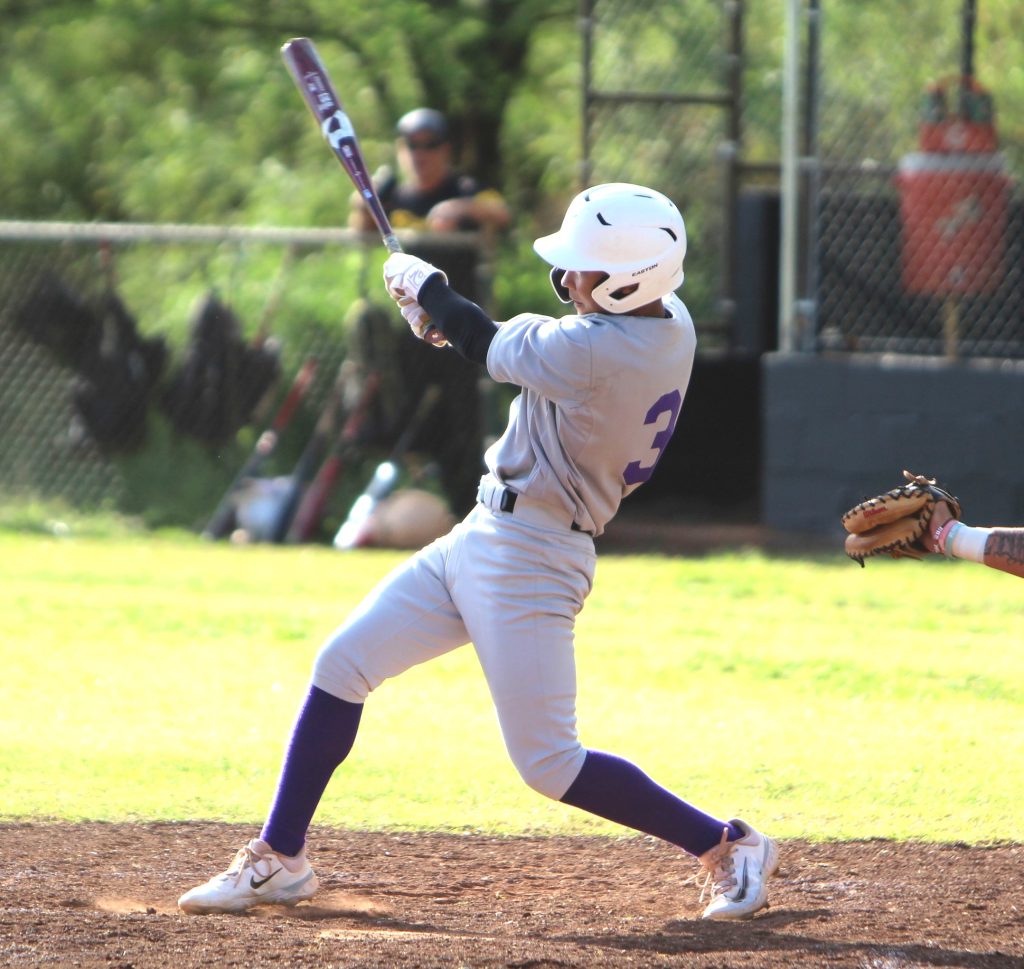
[404,275]
[416,316]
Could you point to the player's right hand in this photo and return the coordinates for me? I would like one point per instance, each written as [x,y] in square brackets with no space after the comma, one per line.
[419,322]
[404,275]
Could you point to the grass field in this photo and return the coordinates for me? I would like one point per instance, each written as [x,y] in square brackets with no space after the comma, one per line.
[157,678]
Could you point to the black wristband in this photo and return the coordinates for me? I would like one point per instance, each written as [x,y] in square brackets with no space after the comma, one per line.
[464,324]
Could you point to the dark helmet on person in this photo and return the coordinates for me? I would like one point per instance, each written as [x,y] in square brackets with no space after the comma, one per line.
[423,119]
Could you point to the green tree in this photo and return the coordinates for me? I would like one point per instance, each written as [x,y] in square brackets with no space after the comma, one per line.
[181,110]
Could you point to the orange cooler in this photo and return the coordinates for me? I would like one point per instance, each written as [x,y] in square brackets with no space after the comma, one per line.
[954,210]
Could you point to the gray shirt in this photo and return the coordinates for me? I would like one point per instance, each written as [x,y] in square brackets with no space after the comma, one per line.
[600,398]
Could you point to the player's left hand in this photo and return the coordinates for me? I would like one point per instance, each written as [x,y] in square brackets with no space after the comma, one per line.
[898,522]
[419,322]
[404,275]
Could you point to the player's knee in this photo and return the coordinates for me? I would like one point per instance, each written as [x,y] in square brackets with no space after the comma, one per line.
[550,773]
[336,671]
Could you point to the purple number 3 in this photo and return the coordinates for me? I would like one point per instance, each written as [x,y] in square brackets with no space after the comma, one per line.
[671,403]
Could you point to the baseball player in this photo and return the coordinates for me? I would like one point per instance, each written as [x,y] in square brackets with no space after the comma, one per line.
[601,391]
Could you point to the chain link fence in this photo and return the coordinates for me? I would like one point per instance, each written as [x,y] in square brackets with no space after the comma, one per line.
[660,105]
[139,364]
[911,150]
[908,240]
[909,230]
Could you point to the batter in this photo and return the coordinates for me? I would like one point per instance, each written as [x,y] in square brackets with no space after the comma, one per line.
[601,392]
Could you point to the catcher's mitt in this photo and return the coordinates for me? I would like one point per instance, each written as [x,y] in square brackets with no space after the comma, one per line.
[894,523]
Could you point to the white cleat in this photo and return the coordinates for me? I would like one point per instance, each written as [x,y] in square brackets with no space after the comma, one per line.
[738,873]
[256,876]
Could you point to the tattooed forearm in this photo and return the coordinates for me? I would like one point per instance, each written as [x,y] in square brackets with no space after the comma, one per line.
[1004,550]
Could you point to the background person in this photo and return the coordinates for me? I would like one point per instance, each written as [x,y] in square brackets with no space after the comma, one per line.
[428,192]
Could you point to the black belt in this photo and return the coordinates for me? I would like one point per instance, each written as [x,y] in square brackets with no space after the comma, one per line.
[508,503]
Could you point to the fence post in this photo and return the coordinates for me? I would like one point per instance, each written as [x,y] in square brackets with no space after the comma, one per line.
[789,187]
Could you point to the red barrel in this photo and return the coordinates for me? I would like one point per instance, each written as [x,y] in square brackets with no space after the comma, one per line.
[954,209]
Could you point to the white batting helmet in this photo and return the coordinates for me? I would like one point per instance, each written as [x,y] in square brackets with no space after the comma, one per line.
[634,234]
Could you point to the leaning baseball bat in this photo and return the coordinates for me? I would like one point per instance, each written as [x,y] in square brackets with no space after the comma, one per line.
[314,83]
[219,525]
[310,512]
[316,447]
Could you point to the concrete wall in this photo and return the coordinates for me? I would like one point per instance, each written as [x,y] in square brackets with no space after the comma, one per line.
[838,429]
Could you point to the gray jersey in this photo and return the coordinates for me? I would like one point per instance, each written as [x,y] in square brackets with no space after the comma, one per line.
[600,398]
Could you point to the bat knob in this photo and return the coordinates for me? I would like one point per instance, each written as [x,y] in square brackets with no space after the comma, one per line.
[435,337]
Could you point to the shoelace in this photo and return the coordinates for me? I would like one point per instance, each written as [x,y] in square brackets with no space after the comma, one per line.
[244,858]
[720,869]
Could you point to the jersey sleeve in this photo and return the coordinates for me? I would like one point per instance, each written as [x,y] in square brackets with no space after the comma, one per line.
[550,356]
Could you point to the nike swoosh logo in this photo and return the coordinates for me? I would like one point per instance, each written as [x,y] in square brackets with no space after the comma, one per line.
[742,893]
[253,883]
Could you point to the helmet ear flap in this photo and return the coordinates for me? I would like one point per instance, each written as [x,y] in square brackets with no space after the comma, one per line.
[561,292]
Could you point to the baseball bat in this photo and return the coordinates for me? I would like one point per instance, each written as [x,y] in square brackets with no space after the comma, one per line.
[310,512]
[309,460]
[219,525]
[351,534]
[314,83]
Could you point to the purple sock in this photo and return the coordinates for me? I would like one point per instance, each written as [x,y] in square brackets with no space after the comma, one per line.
[619,791]
[321,739]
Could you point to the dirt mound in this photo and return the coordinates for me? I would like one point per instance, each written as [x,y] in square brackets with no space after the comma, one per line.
[91,895]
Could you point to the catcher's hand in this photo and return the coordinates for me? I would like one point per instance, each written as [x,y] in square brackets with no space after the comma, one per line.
[895,523]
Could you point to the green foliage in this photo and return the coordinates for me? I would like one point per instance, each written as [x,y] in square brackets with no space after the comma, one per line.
[182,112]
[175,481]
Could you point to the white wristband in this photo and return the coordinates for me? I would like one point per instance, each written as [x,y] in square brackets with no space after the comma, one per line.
[968,543]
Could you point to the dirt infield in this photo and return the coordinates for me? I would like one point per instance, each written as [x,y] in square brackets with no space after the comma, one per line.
[92,895]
